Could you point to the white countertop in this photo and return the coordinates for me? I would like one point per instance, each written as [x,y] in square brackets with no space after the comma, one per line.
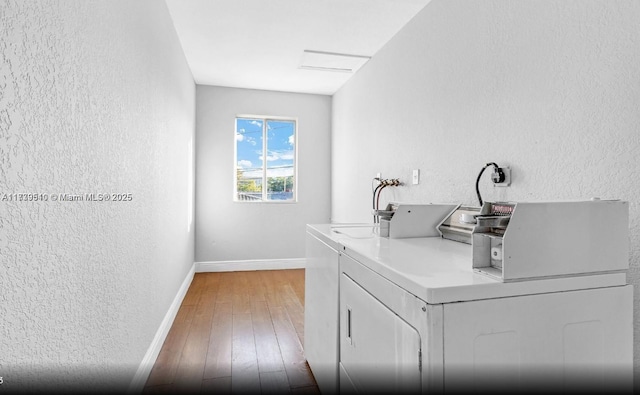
[439,270]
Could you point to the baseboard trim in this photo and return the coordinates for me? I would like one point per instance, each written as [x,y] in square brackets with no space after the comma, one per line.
[142,374]
[257,264]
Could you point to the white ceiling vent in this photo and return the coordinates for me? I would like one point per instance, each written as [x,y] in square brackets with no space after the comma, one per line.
[329,61]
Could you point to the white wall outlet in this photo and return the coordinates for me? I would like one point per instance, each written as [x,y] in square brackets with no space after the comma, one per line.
[416,177]
[379,176]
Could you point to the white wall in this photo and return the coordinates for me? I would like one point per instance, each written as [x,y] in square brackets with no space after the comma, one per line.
[235,231]
[550,88]
[95,97]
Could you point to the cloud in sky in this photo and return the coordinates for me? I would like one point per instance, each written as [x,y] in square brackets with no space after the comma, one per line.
[278,155]
[291,139]
[280,172]
[270,158]
[244,163]
[271,172]
[253,174]
[247,139]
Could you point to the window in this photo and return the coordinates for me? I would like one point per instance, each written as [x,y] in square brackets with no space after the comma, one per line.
[265,169]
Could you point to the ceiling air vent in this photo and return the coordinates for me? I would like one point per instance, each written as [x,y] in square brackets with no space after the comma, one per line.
[329,61]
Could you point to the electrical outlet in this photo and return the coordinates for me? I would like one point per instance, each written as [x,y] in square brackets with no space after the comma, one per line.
[379,176]
[416,177]
[507,178]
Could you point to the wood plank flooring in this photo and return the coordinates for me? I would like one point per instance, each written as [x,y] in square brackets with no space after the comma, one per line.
[237,332]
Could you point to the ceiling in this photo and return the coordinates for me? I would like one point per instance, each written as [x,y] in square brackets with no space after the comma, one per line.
[306,46]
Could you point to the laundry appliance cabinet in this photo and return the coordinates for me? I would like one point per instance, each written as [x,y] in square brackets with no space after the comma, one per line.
[412,316]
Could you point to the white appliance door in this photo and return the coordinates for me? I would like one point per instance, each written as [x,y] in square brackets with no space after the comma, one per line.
[321,313]
[379,351]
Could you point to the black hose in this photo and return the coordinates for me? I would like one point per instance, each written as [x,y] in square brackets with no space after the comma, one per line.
[495,166]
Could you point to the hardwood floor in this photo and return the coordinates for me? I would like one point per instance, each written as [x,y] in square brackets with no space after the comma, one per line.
[237,332]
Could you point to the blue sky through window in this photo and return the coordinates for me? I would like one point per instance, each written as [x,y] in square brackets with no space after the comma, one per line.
[280,150]
[249,147]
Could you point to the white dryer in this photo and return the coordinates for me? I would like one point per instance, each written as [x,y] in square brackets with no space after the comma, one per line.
[430,314]
[392,341]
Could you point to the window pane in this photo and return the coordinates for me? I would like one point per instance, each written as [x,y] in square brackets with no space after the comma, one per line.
[249,158]
[280,160]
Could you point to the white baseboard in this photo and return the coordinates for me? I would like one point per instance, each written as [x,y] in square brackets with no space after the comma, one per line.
[142,374]
[258,264]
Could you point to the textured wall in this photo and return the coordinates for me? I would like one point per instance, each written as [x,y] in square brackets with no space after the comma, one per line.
[95,97]
[550,88]
[229,231]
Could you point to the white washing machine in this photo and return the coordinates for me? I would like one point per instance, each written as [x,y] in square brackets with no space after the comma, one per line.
[394,342]
[415,315]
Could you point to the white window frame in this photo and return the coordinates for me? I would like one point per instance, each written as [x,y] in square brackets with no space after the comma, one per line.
[265,119]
